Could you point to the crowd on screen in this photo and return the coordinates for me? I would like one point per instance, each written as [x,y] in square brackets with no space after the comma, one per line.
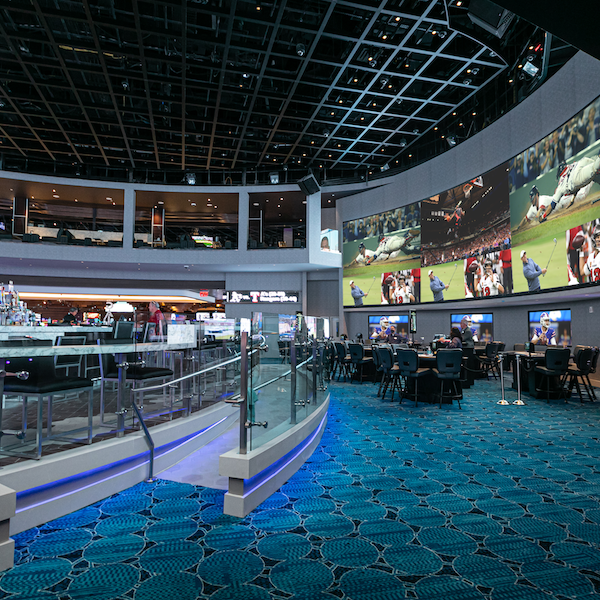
[488,241]
[407,217]
[574,136]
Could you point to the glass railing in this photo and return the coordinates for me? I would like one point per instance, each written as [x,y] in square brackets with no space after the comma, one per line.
[277,374]
[287,385]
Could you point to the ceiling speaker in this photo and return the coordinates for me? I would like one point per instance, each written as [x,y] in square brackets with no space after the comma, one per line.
[309,185]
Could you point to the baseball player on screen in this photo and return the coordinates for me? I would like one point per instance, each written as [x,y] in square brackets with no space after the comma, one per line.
[592,264]
[571,179]
[544,334]
[489,284]
[392,246]
[363,255]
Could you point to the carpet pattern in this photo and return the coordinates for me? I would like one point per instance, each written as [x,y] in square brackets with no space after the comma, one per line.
[489,502]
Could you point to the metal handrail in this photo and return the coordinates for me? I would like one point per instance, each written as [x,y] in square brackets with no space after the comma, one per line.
[148,439]
[262,385]
[159,386]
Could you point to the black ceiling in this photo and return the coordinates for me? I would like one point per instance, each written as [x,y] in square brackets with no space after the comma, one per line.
[230,91]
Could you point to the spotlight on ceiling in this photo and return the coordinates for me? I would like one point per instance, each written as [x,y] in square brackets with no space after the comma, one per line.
[326,132]
[530,67]
[402,143]
[442,34]
[274,178]
[385,167]
[300,49]
[190,178]
[467,81]
[125,85]
[451,139]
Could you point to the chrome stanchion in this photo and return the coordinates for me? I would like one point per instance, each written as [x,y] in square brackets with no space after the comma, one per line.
[500,359]
[244,393]
[293,380]
[518,401]
[314,369]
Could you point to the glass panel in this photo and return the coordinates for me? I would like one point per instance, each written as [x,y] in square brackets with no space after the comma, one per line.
[186,220]
[286,382]
[330,240]
[73,215]
[277,220]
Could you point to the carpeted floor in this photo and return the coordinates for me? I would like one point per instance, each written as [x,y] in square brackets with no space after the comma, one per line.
[496,502]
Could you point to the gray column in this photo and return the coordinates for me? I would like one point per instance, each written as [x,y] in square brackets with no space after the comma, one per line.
[243,214]
[128,217]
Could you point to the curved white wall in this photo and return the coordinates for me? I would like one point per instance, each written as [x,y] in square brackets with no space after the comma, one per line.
[556,101]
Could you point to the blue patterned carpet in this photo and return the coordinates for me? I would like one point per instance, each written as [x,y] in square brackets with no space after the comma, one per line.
[495,502]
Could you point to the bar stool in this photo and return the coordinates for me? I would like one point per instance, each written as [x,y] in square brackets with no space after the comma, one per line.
[42,383]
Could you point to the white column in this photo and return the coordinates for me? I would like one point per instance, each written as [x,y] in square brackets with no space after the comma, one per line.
[243,214]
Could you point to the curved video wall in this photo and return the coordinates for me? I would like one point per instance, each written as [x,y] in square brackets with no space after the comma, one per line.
[530,224]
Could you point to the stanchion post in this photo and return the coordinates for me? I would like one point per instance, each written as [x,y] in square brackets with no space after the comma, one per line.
[501,361]
[293,379]
[315,368]
[518,401]
[244,393]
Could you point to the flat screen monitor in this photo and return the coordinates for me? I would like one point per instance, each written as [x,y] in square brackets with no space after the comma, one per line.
[550,327]
[221,329]
[482,325]
[381,326]
[124,330]
[287,326]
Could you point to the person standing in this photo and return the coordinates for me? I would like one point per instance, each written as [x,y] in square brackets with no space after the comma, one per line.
[437,287]
[466,333]
[157,318]
[531,272]
[72,317]
[357,294]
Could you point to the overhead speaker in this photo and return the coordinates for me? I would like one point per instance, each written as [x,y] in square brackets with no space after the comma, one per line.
[309,185]
[490,16]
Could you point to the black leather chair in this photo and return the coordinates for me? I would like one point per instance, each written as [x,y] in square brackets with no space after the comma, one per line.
[44,384]
[408,367]
[68,362]
[342,360]
[391,372]
[359,360]
[593,370]
[135,374]
[489,362]
[378,367]
[448,365]
[284,351]
[556,367]
[577,372]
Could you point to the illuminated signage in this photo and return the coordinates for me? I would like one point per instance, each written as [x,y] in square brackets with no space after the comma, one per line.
[256,297]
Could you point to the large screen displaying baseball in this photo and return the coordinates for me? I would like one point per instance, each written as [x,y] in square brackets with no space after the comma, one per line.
[531,224]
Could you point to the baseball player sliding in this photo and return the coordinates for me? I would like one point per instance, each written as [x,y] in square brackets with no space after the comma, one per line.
[571,179]
[392,246]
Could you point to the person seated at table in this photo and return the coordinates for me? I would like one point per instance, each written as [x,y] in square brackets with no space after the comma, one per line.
[454,340]
[394,337]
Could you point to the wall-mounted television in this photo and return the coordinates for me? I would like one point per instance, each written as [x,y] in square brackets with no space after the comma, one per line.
[550,327]
[221,329]
[482,325]
[381,327]
[478,237]
[287,326]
